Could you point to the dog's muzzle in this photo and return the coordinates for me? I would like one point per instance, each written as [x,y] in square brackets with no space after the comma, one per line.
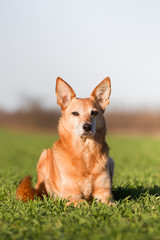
[88,130]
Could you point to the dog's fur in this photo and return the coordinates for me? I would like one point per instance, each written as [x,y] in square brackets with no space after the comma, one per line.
[77,167]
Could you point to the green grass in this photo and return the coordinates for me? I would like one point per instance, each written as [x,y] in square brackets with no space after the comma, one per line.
[136,189]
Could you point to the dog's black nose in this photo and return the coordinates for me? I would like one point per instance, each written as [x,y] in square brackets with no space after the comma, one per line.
[87,127]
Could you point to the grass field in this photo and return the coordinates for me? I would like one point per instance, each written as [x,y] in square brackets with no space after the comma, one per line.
[136,189]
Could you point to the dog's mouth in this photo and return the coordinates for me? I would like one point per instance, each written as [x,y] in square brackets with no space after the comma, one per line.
[88,135]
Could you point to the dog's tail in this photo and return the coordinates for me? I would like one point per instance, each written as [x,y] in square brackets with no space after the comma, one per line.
[26,192]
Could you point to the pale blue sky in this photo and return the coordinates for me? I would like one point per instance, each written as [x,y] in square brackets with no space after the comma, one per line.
[82,41]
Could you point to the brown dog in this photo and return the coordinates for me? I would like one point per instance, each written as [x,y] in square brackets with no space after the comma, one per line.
[77,167]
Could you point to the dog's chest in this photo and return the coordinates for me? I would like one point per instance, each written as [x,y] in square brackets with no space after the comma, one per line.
[93,177]
[80,175]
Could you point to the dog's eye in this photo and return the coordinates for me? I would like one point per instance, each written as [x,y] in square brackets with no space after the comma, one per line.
[75,113]
[94,113]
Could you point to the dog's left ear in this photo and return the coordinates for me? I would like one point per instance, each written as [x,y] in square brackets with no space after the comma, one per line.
[64,93]
[102,93]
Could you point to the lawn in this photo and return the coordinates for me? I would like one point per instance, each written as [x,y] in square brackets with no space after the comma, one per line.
[136,189]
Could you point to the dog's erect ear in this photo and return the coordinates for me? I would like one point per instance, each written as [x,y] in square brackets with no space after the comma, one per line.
[64,93]
[102,93]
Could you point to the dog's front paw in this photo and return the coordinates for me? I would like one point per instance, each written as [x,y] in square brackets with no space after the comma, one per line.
[77,202]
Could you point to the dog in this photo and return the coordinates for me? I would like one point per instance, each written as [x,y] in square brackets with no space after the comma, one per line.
[78,167]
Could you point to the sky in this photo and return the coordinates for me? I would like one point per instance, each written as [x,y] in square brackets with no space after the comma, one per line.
[82,41]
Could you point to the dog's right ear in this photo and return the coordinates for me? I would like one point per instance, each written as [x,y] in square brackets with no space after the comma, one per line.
[64,93]
[102,93]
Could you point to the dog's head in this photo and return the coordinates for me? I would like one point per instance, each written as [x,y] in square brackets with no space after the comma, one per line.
[84,116]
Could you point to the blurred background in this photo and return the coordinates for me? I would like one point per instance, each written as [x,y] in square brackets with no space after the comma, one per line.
[82,41]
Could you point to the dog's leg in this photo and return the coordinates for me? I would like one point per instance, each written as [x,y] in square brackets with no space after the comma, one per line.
[40,186]
[42,172]
[103,184]
[104,195]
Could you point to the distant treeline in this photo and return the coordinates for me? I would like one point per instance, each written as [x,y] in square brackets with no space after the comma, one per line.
[47,120]
[134,122]
[35,119]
